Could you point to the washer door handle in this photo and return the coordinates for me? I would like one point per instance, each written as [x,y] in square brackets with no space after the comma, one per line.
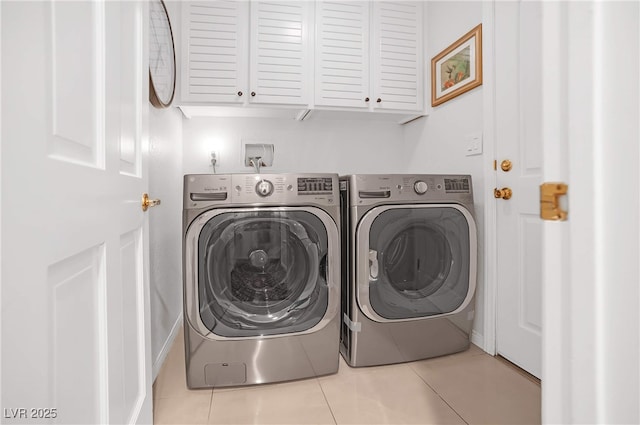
[373,265]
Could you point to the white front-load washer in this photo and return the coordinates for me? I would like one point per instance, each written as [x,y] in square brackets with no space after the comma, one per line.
[408,267]
[261,277]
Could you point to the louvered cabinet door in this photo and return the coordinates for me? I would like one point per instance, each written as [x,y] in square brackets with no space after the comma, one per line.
[397,55]
[215,51]
[342,54]
[280,52]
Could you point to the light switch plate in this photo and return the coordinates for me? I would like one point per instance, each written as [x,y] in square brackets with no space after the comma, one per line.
[473,144]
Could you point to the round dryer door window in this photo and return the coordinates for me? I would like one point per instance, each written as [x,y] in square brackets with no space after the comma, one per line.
[262,273]
[418,262]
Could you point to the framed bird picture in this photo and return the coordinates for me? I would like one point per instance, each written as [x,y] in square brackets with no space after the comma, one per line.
[458,68]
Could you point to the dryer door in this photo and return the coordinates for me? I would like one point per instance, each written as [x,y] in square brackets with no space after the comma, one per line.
[260,272]
[415,261]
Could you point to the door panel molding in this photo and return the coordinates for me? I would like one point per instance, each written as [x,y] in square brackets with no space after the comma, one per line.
[132,329]
[77,83]
[78,329]
[131,90]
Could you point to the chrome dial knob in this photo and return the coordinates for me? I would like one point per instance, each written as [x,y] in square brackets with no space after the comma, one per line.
[264,188]
[420,187]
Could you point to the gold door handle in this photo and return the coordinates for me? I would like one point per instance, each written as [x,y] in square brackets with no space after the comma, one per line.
[504,193]
[146,202]
[506,165]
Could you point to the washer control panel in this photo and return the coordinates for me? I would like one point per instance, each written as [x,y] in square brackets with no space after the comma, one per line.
[285,188]
[201,190]
[315,185]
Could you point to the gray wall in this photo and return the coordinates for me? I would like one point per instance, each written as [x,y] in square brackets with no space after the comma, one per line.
[314,145]
[165,228]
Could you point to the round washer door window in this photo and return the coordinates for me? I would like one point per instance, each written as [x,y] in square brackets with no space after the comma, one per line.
[262,273]
[418,262]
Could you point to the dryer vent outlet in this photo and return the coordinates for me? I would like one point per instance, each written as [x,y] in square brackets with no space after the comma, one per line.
[262,152]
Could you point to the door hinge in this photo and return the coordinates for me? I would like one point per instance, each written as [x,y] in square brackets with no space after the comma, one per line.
[550,194]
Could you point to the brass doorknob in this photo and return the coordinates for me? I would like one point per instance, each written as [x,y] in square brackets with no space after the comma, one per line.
[146,202]
[506,165]
[504,193]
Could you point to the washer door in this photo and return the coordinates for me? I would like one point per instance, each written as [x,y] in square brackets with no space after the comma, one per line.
[260,272]
[416,261]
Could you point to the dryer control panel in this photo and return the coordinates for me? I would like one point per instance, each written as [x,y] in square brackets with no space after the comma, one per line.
[369,189]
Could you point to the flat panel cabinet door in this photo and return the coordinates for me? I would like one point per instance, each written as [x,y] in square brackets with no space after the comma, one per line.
[280,52]
[342,54]
[397,55]
[215,51]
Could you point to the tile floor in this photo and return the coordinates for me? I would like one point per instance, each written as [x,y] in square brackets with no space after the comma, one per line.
[466,388]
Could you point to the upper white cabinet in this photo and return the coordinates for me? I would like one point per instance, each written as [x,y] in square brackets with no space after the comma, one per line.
[215,51]
[280,52]
[369,55]
[397,56]
[245,52]
[344,54]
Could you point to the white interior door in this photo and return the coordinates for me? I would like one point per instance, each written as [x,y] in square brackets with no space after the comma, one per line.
[518,76]
[591,291]
[75,335]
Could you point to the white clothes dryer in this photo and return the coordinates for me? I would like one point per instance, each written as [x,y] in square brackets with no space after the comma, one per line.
[261,278]
[408,267]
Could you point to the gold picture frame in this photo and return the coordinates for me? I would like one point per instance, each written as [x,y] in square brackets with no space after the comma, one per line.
[458,68]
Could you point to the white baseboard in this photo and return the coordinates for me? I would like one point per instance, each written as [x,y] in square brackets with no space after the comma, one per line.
[477,339]
[162,356]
